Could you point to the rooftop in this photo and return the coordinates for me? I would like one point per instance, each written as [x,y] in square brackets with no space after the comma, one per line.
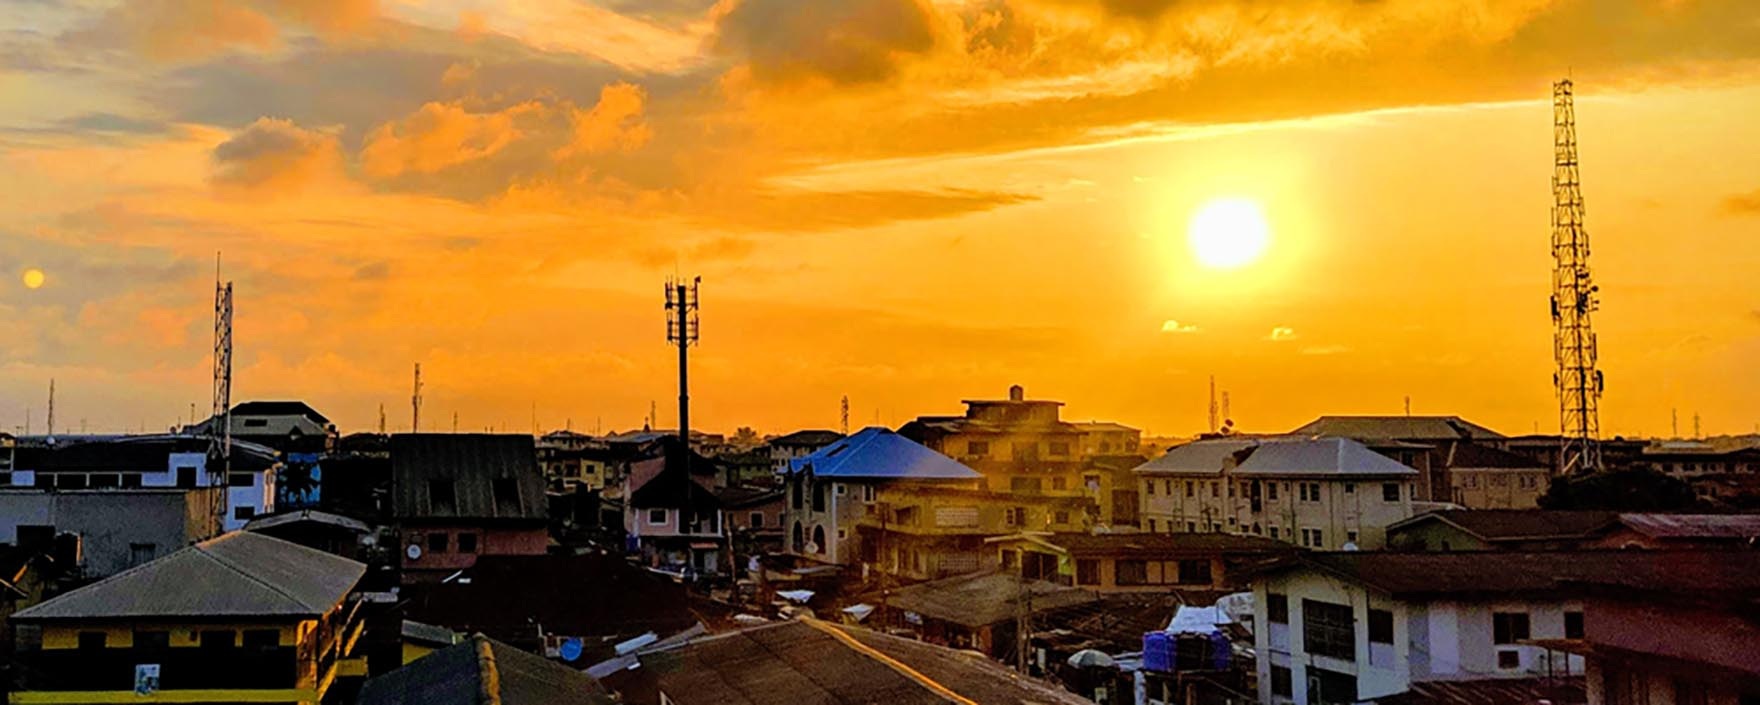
[1495,525]
[482,670]
[1102,426]
[1466,454]
[1319,456]
[1397,428]
[984,598]
[1694,526]
[809,661]
[808,437]
[1538,572]
[479,467]
[1144,543]
[878,453]
[1558,690]
[236,575]
[278,408]
[1197,457]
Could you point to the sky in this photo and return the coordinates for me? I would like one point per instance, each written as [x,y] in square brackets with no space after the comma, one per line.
[905,202]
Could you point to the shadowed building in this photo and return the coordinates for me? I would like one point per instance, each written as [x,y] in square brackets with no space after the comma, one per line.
[481,670]
[459,496]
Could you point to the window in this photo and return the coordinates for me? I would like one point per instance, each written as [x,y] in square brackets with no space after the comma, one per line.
[243,513]
[1282,685]
[867,493]
[1274,532]
[1390,491]
[1215,491]
[1025,484]
[437,543]
[1060,517]
[1189,488]
[1167,487]
[1276,608]
[262,639]
[1194,572]
[1328,630]
[151,641]
[139,553]
[467,543]
[1350,488]
[978,448]
[1271,491]
[241,479]
[656,516]
[1350,536]
[131,480]
[70,481]
[91,641]
[1087,571]
[506,491]
[1132,572]
[1381,626]
[1508,627]
[840,489]
[1059,483]
[1573,625]
[756,520]
[1149,488]
[819,539]
[1059,447]
[1151,526]
[1191,527]
[100,481]
[1311,538]
[842,534]
[217,639]
[1528,482]
[440,496]
[1470,482]
[1015,516]
[1509,658]
[818,496]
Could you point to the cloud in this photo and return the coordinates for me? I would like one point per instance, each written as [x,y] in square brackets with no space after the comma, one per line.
[612,124]
[851,42]
[1172,326]
[791,210]
[181,30]
[1280,334]
[442,135]
[1325,350]
[275,153]
[1743,203]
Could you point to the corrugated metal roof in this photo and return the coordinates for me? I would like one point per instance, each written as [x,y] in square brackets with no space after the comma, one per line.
[1396,427]
[240,574]
[977,600]
[482,670]
[1517,524]
[1203,457]
[1684,526]
[1541,572]
[472,463]
[1557,690]
[1320,456]
[269,521]
[877,452]
[809,437]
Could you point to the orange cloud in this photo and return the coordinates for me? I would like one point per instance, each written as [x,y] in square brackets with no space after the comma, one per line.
[173,30]
[275,153]
[442,135]
[1743,203]
[613,124]
[858,41]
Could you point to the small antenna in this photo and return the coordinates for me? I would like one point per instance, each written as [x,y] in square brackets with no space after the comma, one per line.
[1408,405]
[51,407]
[846,414]
[415,403]
[381,418]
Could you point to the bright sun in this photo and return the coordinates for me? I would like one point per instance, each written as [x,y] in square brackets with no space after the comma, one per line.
[1229,232]
[33,278]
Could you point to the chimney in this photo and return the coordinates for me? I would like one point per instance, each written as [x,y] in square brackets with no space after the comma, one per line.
[1017,393]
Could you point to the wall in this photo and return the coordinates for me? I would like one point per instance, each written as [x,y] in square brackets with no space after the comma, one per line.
[1432,535]
[1379,671]
[1224,504]
[1498,488]
[491,541]
[108,521]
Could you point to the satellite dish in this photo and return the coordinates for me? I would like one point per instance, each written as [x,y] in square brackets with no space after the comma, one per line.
[414,552]
[571,649]
[1350,546]
[812,547]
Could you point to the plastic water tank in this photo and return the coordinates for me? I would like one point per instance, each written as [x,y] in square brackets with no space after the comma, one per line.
[1158,652]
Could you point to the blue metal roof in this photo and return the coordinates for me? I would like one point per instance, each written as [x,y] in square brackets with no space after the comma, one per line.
[876,452]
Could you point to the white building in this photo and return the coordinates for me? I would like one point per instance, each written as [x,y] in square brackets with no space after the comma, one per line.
[148,461]
[1355,626]
[1323,493]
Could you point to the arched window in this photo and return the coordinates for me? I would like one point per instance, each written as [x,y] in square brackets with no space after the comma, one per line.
[819,538]
[818,495]
[799,539]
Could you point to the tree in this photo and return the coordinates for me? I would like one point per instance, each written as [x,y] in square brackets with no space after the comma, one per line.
[1621,490]
[746,438]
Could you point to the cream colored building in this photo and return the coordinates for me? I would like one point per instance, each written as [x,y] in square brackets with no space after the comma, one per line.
[1320,493]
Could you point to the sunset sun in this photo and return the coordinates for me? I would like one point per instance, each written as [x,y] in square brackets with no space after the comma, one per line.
[1228,232]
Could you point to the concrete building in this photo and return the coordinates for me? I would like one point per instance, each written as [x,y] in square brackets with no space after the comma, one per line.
[1019,445]
[1321,493]
[149,461]
[1194,565]
[1107,438]
[456,497]
[1418,442]
[672,516]
[785,449]
[117,529]
[1483,477]
[1654,644]
[239,618]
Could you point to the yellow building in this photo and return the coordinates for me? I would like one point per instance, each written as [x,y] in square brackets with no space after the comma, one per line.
[1019,445]
[924,532]
[242,618]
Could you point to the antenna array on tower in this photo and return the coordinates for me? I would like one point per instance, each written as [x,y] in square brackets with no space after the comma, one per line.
[1574,299]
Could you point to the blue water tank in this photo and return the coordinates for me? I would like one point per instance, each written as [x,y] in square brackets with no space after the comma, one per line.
[1158,652]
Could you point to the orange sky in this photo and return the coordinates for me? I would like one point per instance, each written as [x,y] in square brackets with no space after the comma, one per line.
[904,201]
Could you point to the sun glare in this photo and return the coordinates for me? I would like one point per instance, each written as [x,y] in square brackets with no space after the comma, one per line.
[1229,232]
[33,278]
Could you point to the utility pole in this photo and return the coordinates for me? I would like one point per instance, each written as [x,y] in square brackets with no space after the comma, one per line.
[1696,434]
[1213,420]
[1574,299]
[455,422]
[415,403]
[682,329]
[1408,405]
[51,407]
[1674,423]
[381,418]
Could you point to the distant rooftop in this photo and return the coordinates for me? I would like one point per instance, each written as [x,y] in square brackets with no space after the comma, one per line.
[985,598]
[1396,428]
[1145,543]
[878,453]
[808,437]
[1496,525]
[1464,454]
[1197,457]
[1321,456]
[279,408]
[483,670]
[237,575]
[1539,572]
[488,476]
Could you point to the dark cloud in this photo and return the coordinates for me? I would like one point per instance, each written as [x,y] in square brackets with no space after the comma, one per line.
[1743,203]
[858,41]
[276,153]
[111,122]
[374,271]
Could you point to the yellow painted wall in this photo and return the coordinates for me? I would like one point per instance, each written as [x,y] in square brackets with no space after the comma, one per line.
[121,636]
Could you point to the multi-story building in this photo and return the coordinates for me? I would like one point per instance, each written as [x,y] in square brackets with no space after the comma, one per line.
[150,461]
[115,529]
[1019,445]
[1324,493]
[1198,565]
[786,448]
[1107,438]
[671,514]
[239,618]
[459,496]
[1358,626]
[286,426]
[1483,477]
[1418,442]
[881,499]
[1110,484]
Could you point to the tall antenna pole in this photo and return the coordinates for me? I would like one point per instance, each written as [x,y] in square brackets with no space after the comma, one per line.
[846,414]
[1213,421]
[381,419]
[682,329]
[1225,414]
[220,426]
[1578,381]
[415,403]
[52,407]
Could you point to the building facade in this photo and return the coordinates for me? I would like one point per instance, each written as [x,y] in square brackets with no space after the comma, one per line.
[456,497]
[1137,563]
[1019,445]
[160,461]
[116,529]
[672,516]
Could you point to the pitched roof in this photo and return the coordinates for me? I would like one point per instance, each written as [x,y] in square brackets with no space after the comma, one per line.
[878,453]
[808,437]
[278,408]
[1424,574]
[809,661]
[1396,427]
[1098,426]
[1207,457]
[1319,456]
[742,496]
[1466,454]
[1154,544]
[1496,525]
[472,463]
[314,516]
[240,574]
[669,480]
[1559,690]
[984,598]
[1694,526]
[481,671]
